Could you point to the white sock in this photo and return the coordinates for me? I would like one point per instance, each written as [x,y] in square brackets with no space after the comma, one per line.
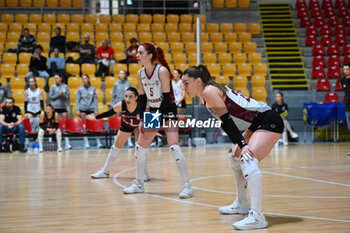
[285,136]
[59,138]
[66,139]
[241,182]
[112,156]
[253,175]
[287,126]
[141,157]
[41,138]
[86,141]
[98,140]
[181,163]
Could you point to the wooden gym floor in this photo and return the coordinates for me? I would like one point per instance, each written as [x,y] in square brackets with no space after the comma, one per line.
[306,189]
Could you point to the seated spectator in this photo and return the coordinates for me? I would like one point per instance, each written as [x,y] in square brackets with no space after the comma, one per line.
[131,53]
[86,103]
[282,108]
[87,51]
[106,59]
[4,93]
[49,122]
[11,122]
[33,100]
[26,43]
[119,87]
[38,67]
[57,65]
[59,94]
[58,41]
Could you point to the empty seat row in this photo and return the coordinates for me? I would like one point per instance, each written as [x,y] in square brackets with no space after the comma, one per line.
[42,3]
[231,3]
[324,4]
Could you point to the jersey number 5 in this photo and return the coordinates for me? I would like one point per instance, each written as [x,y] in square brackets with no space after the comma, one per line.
[151,91]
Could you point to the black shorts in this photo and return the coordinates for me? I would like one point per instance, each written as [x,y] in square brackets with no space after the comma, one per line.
[169,114]
[125,128]
[269,120]
[60,110]
[182,104]
[34,114]
[86,112]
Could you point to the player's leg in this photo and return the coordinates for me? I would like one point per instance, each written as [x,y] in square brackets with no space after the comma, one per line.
[41,139]
[64,116]
[59,140]
[289,129]
[146,177]
[119,142]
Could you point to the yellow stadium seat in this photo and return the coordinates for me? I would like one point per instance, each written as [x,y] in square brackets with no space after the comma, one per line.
[22,69]
[187,37]
[132,18]
[164,46]
[243,3]
[51,82]
[96,82]
[117,37]
[230,36]
[173,37]
[254,28]
[17,86]
[172,18]
[117,18]
[73,27]
[87,27]
[223,79]
[119,56]
[192,58]
[3,27]
[249,47]
[73,69]
[171,27]
[220,47]
[182,66]
[100,36]
[258,81]
[118,47]
[7,18]
[118,67]
[74,82]
[10,45]
[145,37]
[146,18]
[2,3]
[240,27]
[225,58]
[260,69]
[15,27]
[226,27]
[38,3]
[185,27]
[12,3]
[244,69]
[7,69]
[78,3]
[77,18]
[207,47]
[143,27]
[45,27]
[179,58]
[202,25]
[218,3]
[186,18]
[133,81]
[109,82]
[24,58]
[235,47]
[177,47]
[31,27]
[244,37]
[157,27]
[75,56]
[209,58]
[159,37]
[21,18]
[41,83]
[129,27]
[109,93]
[129,35]
[133,68]
[239,58]
[13,36]
[159,18]
[254,58]
[167,57]
[3,38]
[259,94]
[73,36]
[202,17]
[212,27]
[229,69]
[240,82]
[46,46]
[231,3]
[43,37]
[88,69]
[49,18]
[216,37]
[105,19]
[214,69]
[52,3]
[65,3]
[90,18]
[115,27]
[204,36]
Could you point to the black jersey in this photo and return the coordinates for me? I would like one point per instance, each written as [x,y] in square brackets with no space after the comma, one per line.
[130,119]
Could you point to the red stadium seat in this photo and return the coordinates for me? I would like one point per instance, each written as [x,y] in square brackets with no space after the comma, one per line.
[74,125]
[326,30]
[323,85]
[326,40]
[95,126]
[333,21]
[318,49]
[28,127]
[305,21]
[328,12]
[333,49]
[311,40]
[314,4]
[339,3]
[333,72]
[302,12]
[327,3]
[340,39]
[345,21]
[114,123]
[346,49]
[319,21]
[315,12]
[339,29]
[318,72]
[338,86]
[333,60]
[311,30]
[342,11]
[300,4]
[346,58]
[331,97]
[318,61]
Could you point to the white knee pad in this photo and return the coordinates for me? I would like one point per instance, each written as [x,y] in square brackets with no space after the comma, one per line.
[234,162]
[250,168]
[175,151]
[140,152]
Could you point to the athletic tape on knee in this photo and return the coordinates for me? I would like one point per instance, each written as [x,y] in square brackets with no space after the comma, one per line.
[140,152]
[175,151]
[250,168]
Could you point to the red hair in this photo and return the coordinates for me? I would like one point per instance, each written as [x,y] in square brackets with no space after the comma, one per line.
[157,55]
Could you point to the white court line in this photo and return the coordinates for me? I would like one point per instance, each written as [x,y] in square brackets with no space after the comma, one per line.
[213,206]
